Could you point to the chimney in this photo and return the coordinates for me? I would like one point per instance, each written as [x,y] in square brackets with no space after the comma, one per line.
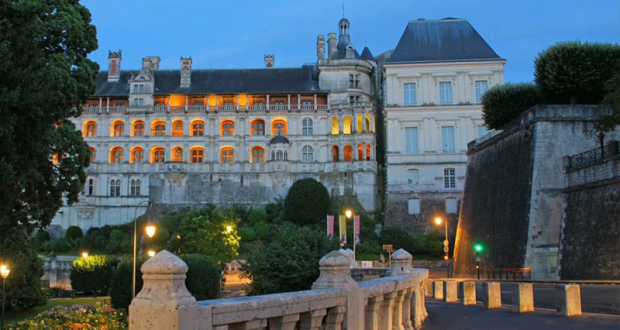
[151,62]
[114,65]
[331,45]
[186,71]
[269,59]
[320,47]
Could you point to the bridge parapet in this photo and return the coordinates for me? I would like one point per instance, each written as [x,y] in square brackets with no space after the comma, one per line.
[336,301]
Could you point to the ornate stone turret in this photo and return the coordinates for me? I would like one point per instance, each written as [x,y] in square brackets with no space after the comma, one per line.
[320,47]
[269,60]
[186,71]
[151,62]
[114,62]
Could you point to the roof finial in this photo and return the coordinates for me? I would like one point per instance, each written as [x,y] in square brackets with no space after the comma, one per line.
[343,9]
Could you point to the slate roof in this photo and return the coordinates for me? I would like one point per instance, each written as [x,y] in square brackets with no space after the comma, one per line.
[444,40]
[367,55]
[221,81]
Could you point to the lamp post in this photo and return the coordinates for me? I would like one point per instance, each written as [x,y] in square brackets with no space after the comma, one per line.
[150,230]
[4,272]
[446,249]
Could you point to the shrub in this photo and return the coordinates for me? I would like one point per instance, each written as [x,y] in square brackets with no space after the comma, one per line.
[119,242]
[120,286]
[92,275]
[93,231]
[246,234]
[307,202]
[61,245]
[257,215]
[100,243]
[503,103]
[40,238]
[574,72]
[73,233]
[261,229]
[87,316]
[87,243]
[203,276]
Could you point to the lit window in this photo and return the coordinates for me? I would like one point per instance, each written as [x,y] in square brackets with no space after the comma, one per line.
[279,128]
[413,176]
[158,155]
[258,155]
[368,151]
[411,140]
[481,88]
[115,187]
[335,154]
[445,92]
[335,126]
[227,155]
[118,128]
[258,127]
[158,128]
[138,128]
[447,139]
[449,178]
[307,126]
[90,129]
[137,155]
[306,154]
[93,154]
[177,128]
[348,153]
[410,93]
[347,125]
[354,80]
[228,128]
[197,155]
[198,128]
[360,151]
[116,155]
[367,124]
[177,154]
[135,187]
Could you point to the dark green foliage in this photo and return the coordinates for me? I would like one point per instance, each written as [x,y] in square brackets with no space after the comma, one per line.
[203,276]
[575,73]
[119,242]
[257,215]
[158,241]
[261,229]
[418,244]
[100,243]
[61,245]
[74,232]
[290,261]
[41,240]
[246,234]
[275,211]
[503,103]
[92,274]
[93,231]
[307,202]
[87,243]
[120,285]
[611,109]
[23,287]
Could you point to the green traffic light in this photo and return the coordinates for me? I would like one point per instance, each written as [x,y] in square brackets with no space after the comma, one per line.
[478,247]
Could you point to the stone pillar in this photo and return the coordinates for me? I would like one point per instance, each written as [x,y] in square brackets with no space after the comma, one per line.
[428,289]
[397,311]
[373,313]
[249,325]
[438,290]
[286,322]
[468,290]
[335,318]
[387,306]
[312,320]
[522,297]
[419,312]
[408,305]
[491,295]
[449,291]
[568,299]
[163,302]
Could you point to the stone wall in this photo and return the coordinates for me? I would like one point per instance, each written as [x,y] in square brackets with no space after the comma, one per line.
[432,205]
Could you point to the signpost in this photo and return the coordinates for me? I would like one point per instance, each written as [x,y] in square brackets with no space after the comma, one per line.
[389,248]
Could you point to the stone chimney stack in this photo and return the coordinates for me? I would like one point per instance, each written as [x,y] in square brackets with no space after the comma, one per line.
[186,71]
[151,62]
[331,45]
[320,47]
[269,60]
[114,66]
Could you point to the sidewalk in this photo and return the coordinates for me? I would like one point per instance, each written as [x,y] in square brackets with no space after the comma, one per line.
[448,316]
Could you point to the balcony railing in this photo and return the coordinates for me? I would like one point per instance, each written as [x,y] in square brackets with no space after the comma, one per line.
[204,108]
[586,158]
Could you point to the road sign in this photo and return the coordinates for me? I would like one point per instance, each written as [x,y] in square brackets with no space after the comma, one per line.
[446,249]
[388,247]
[478,259]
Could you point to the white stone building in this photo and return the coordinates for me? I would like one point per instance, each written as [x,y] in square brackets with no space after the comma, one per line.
[433,81]
[232,136]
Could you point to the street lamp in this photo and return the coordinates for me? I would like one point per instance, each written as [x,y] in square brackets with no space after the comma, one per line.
[4,272]
[84,254]
[446,249]
[150,230]
[228,229]
[151,253]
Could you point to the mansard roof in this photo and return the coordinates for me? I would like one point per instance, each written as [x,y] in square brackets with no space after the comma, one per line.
[220,81]
[444,40]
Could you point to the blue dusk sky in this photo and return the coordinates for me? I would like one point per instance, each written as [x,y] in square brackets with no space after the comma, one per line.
[238,33]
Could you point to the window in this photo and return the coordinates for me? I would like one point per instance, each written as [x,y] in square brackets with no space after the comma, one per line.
[279,155]
[198,128]
[451,205]
[91,187]
[348,153]
[354,99]
[158,155]
[410,93]
[177,154]
[413,206]
[138,102]
[447,139]
[449,179]
[354,80]
[115,187]
[279,128]
[258,105]
[279,105]
[177,128]
[335,154]
[413,176]
[307,126]
[227,155]
[411,140]
[118,128]
[90,129]
[134,187]
[138,88]
[258,155]
[137,155]
[306,154]
[197,155]
[158,128]
[368,151]
[306,105]
[481,88]
[138,128]
[445,92]
[335,126]
[360,151]
[347,126]
[367,123]
[116,155]
[93,154]
[228,128]
[360,123]
[482,131]
[258,127]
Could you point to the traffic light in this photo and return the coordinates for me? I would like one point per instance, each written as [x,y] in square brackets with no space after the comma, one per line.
[478,248]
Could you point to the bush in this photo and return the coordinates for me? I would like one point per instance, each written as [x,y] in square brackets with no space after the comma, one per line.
[203,276]
[100,243]
[503,103]
[120,286]
[61,245]
[575,73]
[246,234]
[87,243]
[93,231]
[92,275]
[119,242]
[261,229]
[257,215]
[87,316]
[40,238]
[307,202]
[73,233]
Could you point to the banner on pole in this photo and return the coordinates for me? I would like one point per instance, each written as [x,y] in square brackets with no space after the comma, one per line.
[343,229]
[330,225]
[356,229]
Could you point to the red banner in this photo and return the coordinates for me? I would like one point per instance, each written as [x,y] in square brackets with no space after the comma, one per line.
[356,229]
[330,225]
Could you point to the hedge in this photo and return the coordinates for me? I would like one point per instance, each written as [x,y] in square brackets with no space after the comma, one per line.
[503,103]
[92,274]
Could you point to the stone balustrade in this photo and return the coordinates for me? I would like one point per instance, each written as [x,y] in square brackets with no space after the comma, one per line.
[336,301]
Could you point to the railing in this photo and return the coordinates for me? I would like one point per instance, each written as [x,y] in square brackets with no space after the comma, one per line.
[586,158]
[336,301]
[205,108]
[509,274]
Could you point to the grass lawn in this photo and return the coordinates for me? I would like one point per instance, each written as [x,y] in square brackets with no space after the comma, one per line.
[16,317]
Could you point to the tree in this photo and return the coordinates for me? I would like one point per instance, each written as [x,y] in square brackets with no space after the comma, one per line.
[503,103]
[307,202]
[610,118]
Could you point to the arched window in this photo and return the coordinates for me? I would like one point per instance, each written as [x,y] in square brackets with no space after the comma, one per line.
[258,127]
[227,155]
[115,187]
[177,128]
[335,127]
[347,125]
[158,128]
[177,154]
[367,123]
[89,129]
[158,155]
[91,187]
[135,187]
[348,153]
[197,155]
[116,155]
[137,155]
[360,152]
[227,128]
[368,152]
[198,128]
[93,154]
[307,126]
[306,154]
[360,123]
[258,155]
[335,154]
[138,128]
[117,128]
[279,155]
[278,128]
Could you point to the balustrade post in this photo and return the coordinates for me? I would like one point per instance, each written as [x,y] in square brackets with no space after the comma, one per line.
[312,320]
[249,325]
[397,311]
[372,313]
[413,306]
[286,322]
[408,305]
[387,306]
[335,318]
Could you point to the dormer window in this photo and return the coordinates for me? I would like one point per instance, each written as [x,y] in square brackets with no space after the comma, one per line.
[350,52]
[138,88]
[354,80]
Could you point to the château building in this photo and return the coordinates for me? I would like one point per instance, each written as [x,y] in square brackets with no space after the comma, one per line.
[192,137]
